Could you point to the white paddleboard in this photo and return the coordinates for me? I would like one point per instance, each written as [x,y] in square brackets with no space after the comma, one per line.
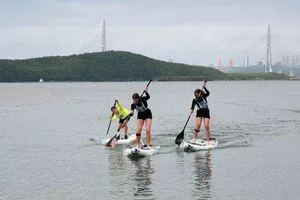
[139,152]
[121,141]
[199,144]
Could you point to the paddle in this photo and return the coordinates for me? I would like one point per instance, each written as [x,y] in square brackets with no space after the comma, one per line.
[180,136]
[113,141]
[146,86]
[112,114]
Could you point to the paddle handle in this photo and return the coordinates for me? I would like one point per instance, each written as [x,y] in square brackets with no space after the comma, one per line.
[204,84]
[146,86]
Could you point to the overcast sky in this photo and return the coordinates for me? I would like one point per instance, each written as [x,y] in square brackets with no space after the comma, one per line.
[192,32]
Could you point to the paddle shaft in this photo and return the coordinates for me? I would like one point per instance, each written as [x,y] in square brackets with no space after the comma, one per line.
[110,122]
[187,121]
[146,86]
[108,128]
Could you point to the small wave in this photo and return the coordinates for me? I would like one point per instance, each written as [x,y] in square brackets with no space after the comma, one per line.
[295,111]
[243,144]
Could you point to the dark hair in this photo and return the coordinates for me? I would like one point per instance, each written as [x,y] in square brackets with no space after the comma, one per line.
[197,91]
[111,109]
[135,96]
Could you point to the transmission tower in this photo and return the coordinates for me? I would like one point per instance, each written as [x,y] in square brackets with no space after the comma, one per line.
[103,37]
[268,67]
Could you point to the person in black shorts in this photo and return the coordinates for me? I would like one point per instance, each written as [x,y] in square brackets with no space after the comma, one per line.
[144,116]
[200,101]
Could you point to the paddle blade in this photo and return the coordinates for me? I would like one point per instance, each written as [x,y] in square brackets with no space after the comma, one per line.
[179,138]
[113,141]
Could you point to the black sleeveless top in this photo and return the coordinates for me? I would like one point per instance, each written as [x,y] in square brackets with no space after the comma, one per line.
[142,104]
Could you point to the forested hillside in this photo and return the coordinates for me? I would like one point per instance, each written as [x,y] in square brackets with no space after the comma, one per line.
[103,66]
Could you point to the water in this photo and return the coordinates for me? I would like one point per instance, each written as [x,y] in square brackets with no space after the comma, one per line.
[46,153]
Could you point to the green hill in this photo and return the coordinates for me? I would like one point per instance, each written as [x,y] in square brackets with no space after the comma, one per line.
[104,66]
[114,66]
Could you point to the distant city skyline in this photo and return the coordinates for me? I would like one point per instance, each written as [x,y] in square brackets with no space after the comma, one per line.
[191,32]
[285,60]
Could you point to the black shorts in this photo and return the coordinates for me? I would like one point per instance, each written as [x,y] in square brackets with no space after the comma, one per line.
[122,120]
[203,113]
[147,114]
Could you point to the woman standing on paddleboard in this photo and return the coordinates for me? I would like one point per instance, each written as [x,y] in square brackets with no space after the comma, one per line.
[123,114]
[144,116]
[202,112]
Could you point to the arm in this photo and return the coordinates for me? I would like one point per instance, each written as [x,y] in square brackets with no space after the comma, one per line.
[193,105]
[132,109]
[114,117]
[207,93]
[147,95]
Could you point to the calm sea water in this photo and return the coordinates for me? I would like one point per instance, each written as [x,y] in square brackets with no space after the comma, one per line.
[45,152]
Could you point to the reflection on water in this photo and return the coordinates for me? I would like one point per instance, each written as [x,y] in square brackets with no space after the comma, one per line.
[130,179]
[202,183]
[142,176]
[199,174]
[180,161]
[119,171]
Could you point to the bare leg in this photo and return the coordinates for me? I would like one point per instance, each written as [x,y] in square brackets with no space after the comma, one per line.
[197,127]
[207,129]
[125,128]
[139,126]
[120,126]
[119,130]
[148,123]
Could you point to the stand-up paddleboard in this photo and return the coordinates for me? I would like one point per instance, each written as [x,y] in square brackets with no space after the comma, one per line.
[199,144]
[140,152]
[122,141]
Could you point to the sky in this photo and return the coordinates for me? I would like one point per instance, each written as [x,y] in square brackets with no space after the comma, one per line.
[191,31]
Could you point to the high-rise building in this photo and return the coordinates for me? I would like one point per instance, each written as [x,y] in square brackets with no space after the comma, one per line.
[230,62]
[246,61]
[285,60]
[293,60]
[219,64]
[298,60]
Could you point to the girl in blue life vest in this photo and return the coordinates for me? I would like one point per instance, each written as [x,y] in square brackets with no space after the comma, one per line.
[202,111]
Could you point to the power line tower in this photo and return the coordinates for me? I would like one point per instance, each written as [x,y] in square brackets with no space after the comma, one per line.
[103,37]
[268,67]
